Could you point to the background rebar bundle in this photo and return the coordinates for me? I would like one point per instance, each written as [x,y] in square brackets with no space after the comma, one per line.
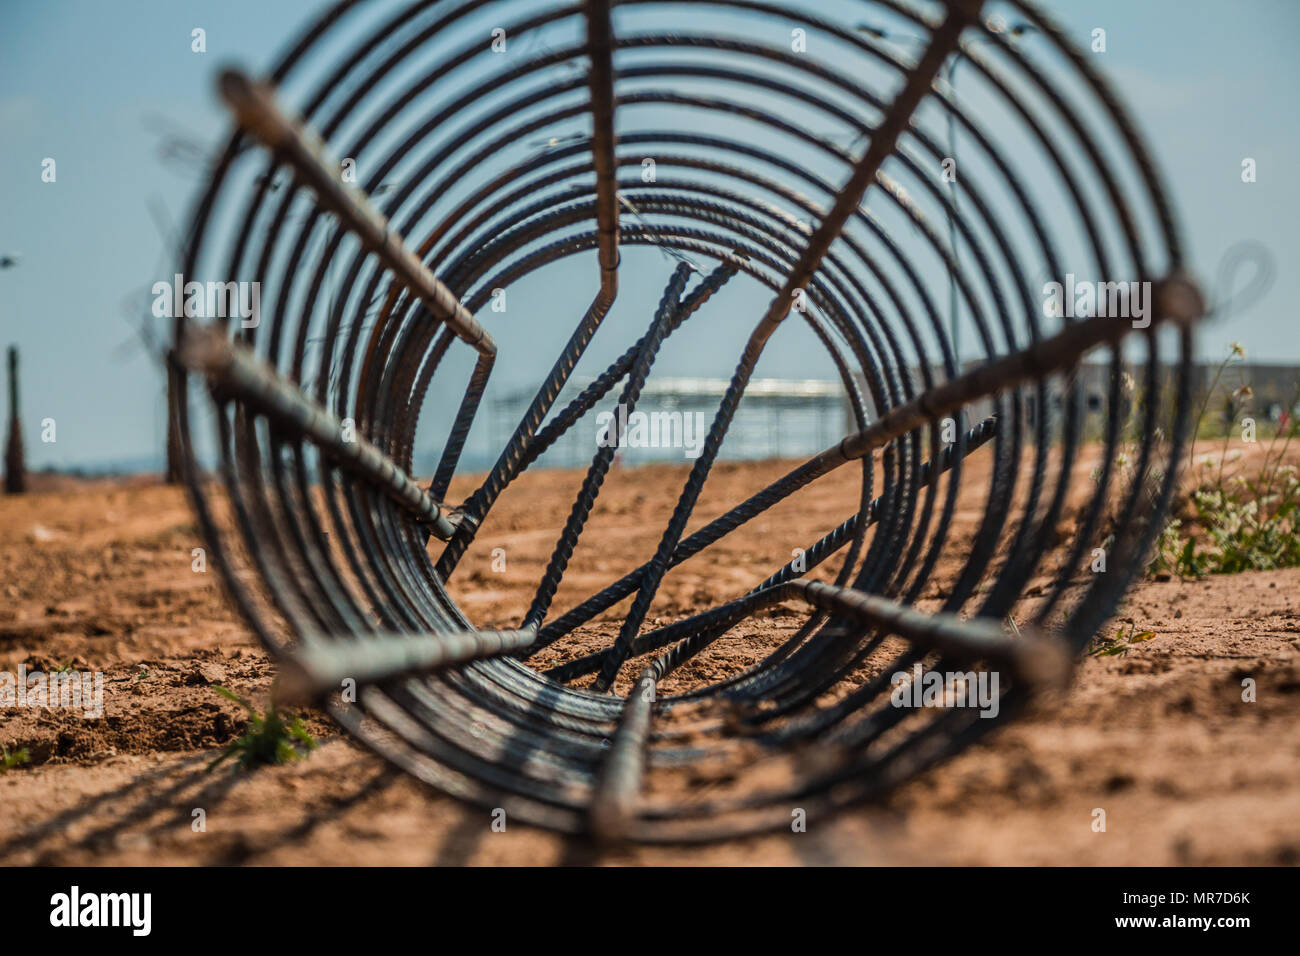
[806,149]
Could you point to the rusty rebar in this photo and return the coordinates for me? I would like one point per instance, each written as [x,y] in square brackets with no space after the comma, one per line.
[325,548]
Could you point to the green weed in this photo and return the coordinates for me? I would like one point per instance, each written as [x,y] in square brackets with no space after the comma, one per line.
[269,739]
[1120,643]
[1229,522]
[16,759]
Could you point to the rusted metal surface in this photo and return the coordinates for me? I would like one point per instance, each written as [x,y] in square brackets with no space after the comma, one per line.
[330,558]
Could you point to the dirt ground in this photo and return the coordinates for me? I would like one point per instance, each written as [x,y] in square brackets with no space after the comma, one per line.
[98,576]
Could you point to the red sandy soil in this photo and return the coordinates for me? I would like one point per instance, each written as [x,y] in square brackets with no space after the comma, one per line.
[98,575]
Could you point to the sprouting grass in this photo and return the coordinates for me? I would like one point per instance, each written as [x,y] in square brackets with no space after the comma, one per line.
[1230,520]
[16,759]
[1120,643]
[269,739]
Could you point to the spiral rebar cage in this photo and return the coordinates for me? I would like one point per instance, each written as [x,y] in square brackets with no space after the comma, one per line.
[890,178]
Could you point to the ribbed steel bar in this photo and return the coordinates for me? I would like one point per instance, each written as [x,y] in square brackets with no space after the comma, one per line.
[1039,659]
[461,426]
[600,50]
[320,666]
[600,79]
[1035,660]
[814,555]
[882,143]
[618,791]
[1175,298]
[499,159]
[604,457]
[567,417]
[237,374]
[258,113]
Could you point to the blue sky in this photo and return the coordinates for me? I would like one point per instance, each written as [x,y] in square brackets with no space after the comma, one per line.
[91,83]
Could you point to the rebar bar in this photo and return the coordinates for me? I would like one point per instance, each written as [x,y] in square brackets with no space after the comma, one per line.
[723,141]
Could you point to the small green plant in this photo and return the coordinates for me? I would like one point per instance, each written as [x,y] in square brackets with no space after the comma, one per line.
[16,759]
[1226,522]
[269,739]
[1247,527]
[1120,643]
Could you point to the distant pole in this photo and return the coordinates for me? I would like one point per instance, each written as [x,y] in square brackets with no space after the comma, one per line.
[175,474]
[15,471]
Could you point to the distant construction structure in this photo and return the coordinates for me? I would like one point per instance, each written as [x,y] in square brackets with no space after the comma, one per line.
[1275,392]
[779,418]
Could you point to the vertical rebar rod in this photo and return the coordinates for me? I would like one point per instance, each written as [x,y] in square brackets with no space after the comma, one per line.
[604,137]
[600,81]
[884,138]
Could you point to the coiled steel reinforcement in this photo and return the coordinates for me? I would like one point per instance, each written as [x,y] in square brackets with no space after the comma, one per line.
[857,160]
